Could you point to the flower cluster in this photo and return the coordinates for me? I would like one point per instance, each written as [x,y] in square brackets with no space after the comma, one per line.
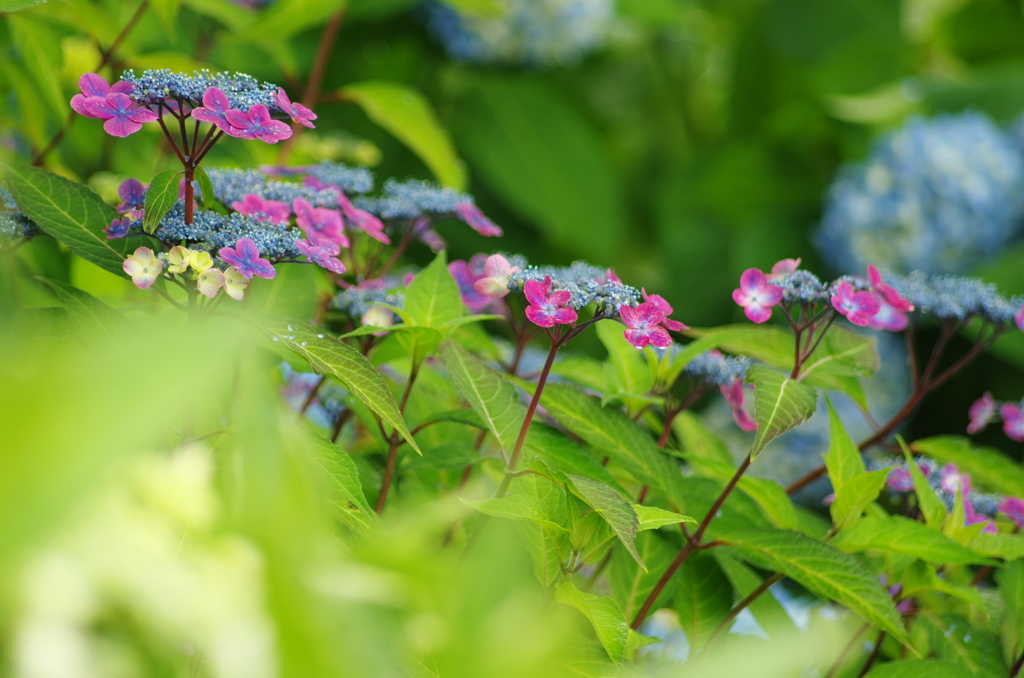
[948,481]
[587,284]
[716,369]
[415,199]
[936,195]
[985,409]
[957,297]
[367,300]
[525,32]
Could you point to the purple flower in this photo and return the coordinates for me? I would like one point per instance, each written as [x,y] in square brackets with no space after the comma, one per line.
[734,397]
[118,228]
[273,211]
[981,413]
[472,215]
[952,480]
[121,115]
[756,295]
[858,307]
[971,517]
[548,308]
[323,253]
[257,124]
[784,267]
[297,112]
[133,195]
[644,323]
[900,480]
[93,85]
[1019,319]
[319,224]
[666,311]
[362,219]
[466,276]
[1013,508]
[1013,421]
[214,110]
[245,257]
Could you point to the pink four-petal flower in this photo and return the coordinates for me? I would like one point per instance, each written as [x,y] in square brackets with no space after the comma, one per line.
[318,223]
[1013,508]
[245,257]
[214,109]
[756,295]
[1013,421]
[323,253]
[666,311]
[472,215]
[644,323]
[120,114]
[297,112]
[981,413]
[548,308]
[858,307]
[734,397]
[93,85]
[253,205]
[257,124]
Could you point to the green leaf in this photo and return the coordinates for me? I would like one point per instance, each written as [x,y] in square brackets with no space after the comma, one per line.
[1002,545]
[15,5]
[483,7]
[419,342]
[518,507]
[933,508]
[780,404]
[210,201]
[702,599]
[699,442]
[432,298]
[1011,588]
[843,460]
[842,353]
[920,576]
[616,511]
[561,454]
[612,432]
[547,548]
[824,570]
[90,315]
[493,399]
[854,496]
[767,610]
[285,18]
[167,10]
[408,115]
[987,466]
[68,211]
[161,196]
[604,614]
[919,668]
[466,417]
[39,48]
[956,639]
[345,491]
[632,373]
[768,494]
[652,517]
[585,371]
[897,534]
[630,584]
[328,355]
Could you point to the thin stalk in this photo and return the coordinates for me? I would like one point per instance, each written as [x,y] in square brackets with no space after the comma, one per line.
[312,396]
[170,139]
[190,192]
[1015,669]
[339,423]
[742,605]
[690,545]
[846,651]
[207,146]
[874,655]
[389,466]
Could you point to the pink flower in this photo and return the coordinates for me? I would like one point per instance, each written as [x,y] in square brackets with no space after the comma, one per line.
[888,318]
[497,271]
[121,115]
[256,124]
[143,267]
[900,480]
[666,310]
[1019,319]
[472,215]
[733,394]
[1013,421]
[548,308]
[93,85]
[858,307]
[245,257]
[892,307]
[466,276]
[319,224]
[297,112]
[887,293]
[981,413]
[971,517]
[214,110]
[362,219]
[828,499]
[323,253]
[253,205]
[784,267]
[756,295]
[610,276]
[644,323]
[952,480]
[1013,508]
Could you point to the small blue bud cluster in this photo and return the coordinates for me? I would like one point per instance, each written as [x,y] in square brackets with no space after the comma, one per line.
[243,91]
[232,185]
[533,32]
[937,195]
[412,199]
[802,287]
[587,283]
[959,297]
[350,180]
[713,368]
[355,301]
[13,222]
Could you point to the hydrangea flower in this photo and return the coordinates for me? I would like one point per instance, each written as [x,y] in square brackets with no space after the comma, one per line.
[93,85]
[264,210]
[319,224]
[297,112]
[472,215]
[714,367]
[133,198]
[497,271]
[118,228]
[893,309]
[178,259]
[245,257]
[734,397]
[363,220]
[467,275]
[972,517]
[953,480]
[323,253]
[548,308]
[858,307]
[1013,508]
[256,123]
[120,114]
[378,316]
[900,480]
[981,413]
[235,283]
[143,267]
[756,295]
[1018,319]
[1013,421]
[209,282]
[214,110]
[644,323]
[666,310]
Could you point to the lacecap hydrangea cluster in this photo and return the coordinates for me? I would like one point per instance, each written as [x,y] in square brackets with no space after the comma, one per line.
[524,32]
[938,195]
[13,222]
[714,368]
[956,297]
[587,284]
[242,91]
[358,300]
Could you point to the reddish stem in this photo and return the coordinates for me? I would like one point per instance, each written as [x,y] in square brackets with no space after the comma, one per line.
[389,466]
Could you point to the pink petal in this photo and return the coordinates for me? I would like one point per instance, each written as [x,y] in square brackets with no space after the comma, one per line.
[659,337]
[560,298]
[121,127]
[539,317]
[565,316]
[535,293]
[638,338]
[629,316]
[93,85]
[752,280]
[757,313]
[674,325]
[99,107]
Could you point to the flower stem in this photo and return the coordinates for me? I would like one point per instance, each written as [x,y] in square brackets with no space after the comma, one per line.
[392,459]
[742,605]
[874,655]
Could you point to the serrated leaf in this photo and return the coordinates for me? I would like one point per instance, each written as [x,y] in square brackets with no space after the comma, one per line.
[491,397]
[161,196]
[547,548]
[432,298]
[328,355]
[956,640]
[616,511]
[408,116]
[466,417]
[768,494]
[919,668]
[854,496]
[897,534]
[561,454]
[920,576]
[630,585]
[517,507]
[702,599]
[1002,545]
[933,508]
[842,353]
[68,211]
[843,459]
[652,517]
[780,404]
[824,570]
[344,487]
[612,432]
[987,466]
[604,614]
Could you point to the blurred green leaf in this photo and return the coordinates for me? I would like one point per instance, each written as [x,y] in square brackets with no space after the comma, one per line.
[285,18]
[408,115]
[91,316]
[652,517]
[161,196]
[702,599]
[896,534]
[780,404]
[559,453]
[854,496]
[968,645]
[932,508]
[167,10]
[40,51]
[603,612]
[345,491]
[843,459]
[918,668]
[615,511]
[15,5]
[767,610]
